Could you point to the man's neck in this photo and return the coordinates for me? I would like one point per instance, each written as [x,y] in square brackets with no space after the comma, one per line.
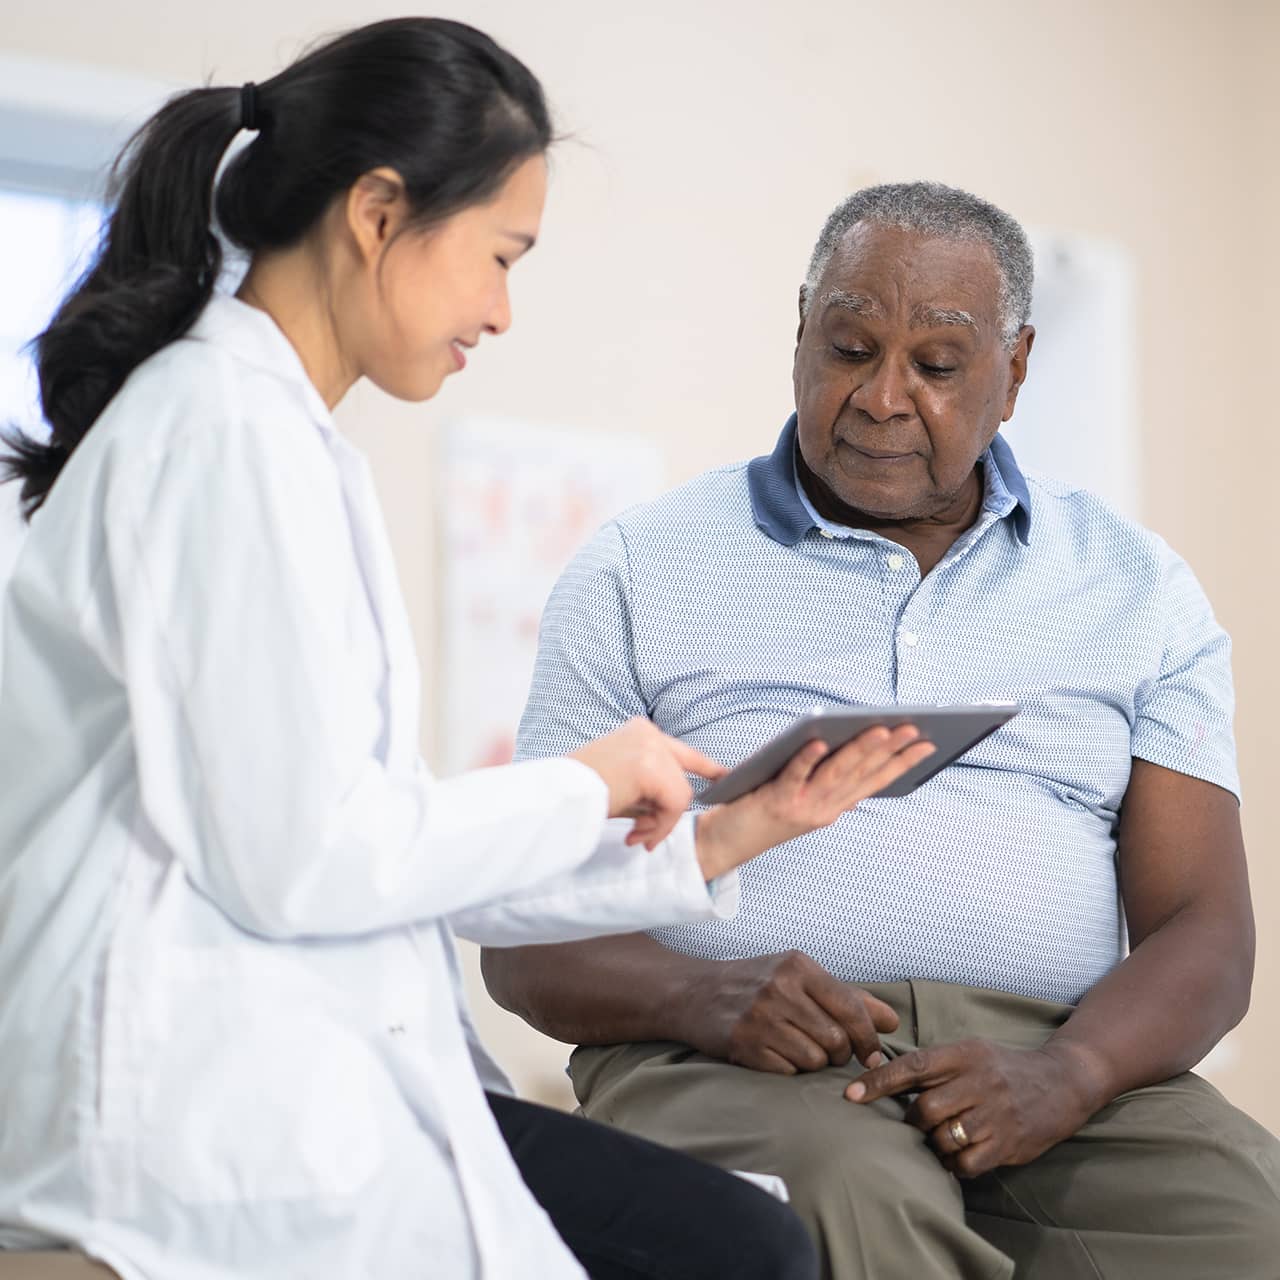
[928,538]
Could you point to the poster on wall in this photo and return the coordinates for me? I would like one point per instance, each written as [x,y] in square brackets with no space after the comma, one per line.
[516,502]
[1077,417]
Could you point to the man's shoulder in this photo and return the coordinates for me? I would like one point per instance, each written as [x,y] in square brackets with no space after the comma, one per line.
[1071,519]
[702,511]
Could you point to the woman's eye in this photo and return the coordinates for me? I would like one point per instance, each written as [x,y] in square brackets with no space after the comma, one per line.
[502,262]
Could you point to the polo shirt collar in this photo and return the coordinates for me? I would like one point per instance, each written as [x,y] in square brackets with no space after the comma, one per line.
[782,514]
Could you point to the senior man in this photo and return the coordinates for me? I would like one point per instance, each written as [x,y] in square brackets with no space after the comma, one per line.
[960,1024]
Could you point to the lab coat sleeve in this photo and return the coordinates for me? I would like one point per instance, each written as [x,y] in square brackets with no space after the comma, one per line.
[620,889]
[260,749]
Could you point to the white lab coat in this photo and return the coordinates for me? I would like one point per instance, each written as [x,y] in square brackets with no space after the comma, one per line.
[233,1041]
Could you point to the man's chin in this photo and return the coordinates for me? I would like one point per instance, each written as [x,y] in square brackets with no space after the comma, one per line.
[882,502]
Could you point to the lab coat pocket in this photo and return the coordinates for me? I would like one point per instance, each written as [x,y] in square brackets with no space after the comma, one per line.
[254,1089]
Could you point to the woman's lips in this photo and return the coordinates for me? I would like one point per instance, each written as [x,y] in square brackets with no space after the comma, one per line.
[459,355]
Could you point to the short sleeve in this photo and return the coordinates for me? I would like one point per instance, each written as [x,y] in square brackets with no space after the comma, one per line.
[584,681]
[1183,717]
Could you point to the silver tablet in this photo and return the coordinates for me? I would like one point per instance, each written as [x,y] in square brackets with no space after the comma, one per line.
[952,730]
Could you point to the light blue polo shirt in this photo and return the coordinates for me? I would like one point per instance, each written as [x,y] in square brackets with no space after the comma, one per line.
[729,606]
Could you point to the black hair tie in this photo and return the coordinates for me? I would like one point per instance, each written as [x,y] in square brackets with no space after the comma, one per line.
[249,106]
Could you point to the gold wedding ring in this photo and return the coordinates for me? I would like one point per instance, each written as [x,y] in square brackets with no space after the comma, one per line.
[958,1134]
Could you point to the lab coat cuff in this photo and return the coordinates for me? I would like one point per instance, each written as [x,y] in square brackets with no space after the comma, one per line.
[576,783]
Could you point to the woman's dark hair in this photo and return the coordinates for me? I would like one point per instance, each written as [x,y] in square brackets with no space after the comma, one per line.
[437,101]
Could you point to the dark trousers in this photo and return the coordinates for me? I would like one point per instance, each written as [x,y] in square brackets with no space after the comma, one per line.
[630,1209]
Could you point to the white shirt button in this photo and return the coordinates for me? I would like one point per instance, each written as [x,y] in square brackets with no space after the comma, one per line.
[895,561]
[910,639]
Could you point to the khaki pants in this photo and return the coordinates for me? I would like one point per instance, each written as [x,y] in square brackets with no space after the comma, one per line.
[1169,1181]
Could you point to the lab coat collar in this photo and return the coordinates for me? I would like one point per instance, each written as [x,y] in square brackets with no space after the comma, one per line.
[251,335]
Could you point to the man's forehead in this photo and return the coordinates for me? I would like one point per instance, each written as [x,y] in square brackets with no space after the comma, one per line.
[938,279]
[924,315]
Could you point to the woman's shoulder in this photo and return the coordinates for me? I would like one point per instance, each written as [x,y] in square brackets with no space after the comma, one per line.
[194,425]
[195,401]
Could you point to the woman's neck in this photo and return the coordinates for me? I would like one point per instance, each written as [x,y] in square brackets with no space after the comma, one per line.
[292,288]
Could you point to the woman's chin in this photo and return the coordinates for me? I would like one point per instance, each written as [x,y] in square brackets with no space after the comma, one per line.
[421,384]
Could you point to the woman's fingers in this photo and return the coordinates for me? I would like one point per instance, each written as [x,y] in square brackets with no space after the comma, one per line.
[800,767]
[870,751]
[893,768]
[867,765]
[645,770]
[691,760]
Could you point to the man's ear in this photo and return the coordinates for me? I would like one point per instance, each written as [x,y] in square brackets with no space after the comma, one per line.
[1018,368]
[376,207]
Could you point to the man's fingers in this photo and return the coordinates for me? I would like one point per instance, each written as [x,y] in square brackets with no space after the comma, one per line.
[943,1138]
[847,1005]
[816,1024]
[775,1063]
[910,1073]
[883,1017]
[934,1107]
[798,1046]
[975,1160]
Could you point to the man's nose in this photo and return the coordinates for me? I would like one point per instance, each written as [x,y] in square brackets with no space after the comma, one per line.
[883,392]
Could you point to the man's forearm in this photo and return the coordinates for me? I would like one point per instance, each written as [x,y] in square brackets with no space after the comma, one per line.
[602,991]
[1163,1007]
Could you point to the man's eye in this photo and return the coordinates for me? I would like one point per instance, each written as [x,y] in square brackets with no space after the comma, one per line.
[937,370]
[850,353]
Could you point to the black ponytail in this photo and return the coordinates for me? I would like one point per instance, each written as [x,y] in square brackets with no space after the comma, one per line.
[437,101]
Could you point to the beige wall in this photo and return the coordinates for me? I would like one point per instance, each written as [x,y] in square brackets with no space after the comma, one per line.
[711,139]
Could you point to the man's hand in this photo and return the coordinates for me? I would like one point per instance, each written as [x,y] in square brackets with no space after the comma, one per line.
[1010,1105]
[783,1013]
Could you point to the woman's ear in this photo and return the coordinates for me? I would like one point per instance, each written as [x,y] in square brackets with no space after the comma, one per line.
[376,207]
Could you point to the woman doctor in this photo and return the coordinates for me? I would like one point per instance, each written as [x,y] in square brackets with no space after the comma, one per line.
[232,1033]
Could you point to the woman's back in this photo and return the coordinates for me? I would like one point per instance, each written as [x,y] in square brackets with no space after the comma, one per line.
[170,1064]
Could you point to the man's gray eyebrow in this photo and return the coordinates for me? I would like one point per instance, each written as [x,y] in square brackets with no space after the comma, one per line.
[924,317]
[859,303]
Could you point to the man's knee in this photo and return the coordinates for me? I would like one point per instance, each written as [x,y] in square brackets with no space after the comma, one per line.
[837,1159]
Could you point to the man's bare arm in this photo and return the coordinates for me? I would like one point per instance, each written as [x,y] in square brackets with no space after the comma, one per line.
[781,1013]
[1185,886]
[602,991]
[1184,984]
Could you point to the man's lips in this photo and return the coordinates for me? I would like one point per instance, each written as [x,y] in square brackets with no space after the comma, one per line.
[879,455]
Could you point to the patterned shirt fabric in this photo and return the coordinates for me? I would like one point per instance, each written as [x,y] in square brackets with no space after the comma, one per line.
[728,607]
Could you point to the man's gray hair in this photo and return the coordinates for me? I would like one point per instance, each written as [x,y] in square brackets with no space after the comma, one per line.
[937,210]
